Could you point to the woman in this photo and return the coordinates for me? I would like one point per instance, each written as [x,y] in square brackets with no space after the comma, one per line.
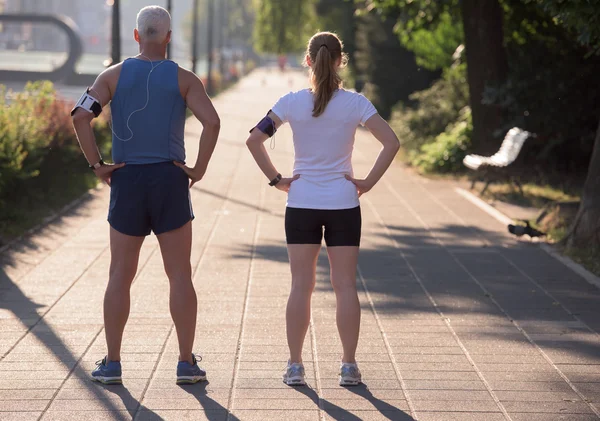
[323,194]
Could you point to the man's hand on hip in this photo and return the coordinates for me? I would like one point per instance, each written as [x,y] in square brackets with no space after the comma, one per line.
[192,173]
[105,171]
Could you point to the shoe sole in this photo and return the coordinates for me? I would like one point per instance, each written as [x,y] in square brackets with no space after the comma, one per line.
[190,379]
[107,380]
[295,381]
[350,382]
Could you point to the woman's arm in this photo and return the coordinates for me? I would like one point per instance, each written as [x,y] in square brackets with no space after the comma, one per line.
[256,145]
[386,136]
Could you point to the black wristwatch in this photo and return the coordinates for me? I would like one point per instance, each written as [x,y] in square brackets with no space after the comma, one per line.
[276,180]
[98,165]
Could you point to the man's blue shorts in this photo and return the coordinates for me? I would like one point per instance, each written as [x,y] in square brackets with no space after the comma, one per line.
[149,197]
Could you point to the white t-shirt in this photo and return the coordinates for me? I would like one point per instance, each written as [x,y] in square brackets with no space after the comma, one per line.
[323,147]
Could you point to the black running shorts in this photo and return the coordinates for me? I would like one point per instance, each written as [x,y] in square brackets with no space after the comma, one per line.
[305,226]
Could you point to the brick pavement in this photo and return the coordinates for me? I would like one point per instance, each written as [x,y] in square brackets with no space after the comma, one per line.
[460,321]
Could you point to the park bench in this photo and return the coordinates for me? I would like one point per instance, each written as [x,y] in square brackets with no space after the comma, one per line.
[493,168]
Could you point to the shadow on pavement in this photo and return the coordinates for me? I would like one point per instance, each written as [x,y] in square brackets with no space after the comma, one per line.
[213,410]
[336,412]
[238,202]
[528,285]
[28,313]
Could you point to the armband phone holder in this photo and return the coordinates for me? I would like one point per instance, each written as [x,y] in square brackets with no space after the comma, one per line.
[266,125]
[88,103]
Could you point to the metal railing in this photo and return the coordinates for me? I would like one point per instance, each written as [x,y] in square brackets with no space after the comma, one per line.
[66,72]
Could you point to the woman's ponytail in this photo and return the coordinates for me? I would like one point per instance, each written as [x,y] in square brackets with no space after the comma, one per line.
[325,52]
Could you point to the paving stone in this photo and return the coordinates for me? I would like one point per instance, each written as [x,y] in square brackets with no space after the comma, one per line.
[547,407]
[70,415]
[453,406]
[527,416]
[461,416]
[23,405]
[276,414]
[177,415]
[20,416]
[93,404]
[15,394]
[450,395]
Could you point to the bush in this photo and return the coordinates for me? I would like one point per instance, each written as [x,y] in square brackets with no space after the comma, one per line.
[39,154]
[446,152]
[435,109]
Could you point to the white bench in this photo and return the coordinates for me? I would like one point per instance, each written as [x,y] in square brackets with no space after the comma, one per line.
[489,168]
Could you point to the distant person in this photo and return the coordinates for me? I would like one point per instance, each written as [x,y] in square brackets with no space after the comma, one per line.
[150,183]
[282,62]
[323,194]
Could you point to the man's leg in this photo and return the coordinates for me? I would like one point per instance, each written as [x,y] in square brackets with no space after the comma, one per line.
[176,249]
[125,254]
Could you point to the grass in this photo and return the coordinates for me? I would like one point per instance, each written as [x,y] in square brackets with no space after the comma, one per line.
[588,257]
[535,195]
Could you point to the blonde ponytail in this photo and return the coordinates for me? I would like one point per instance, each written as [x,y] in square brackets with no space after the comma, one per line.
[325,53]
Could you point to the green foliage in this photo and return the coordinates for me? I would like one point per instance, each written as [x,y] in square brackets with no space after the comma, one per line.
[551,90]
[434,47]
[582,16]
[339,16]
[446,152]
[283,26]
[434,110]
[36,143]
[389,69]
[415,14]
[25,136]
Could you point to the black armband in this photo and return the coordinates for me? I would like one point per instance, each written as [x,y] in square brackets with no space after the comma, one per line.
[88,103]
[266,125]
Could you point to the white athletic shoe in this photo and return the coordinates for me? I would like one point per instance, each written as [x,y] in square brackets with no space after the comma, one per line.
[350,375]
[294,374]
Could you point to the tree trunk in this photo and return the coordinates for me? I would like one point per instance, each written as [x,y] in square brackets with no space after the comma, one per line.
[486,65]
[585,231]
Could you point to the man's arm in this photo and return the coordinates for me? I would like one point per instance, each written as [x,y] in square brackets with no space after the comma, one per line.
[201,106]
[83,128]
[82,119]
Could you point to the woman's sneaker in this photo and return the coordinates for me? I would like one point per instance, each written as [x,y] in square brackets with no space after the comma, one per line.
[190,373]
[350,375]
[294,374]
[107,372]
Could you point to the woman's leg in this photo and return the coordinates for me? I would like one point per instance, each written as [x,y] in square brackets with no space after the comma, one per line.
[303,264]
[343,261]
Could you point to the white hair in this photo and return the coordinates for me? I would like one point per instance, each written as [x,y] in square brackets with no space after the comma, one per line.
[153,23]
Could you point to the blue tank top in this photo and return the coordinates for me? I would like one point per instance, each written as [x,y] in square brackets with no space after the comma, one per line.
[158,130]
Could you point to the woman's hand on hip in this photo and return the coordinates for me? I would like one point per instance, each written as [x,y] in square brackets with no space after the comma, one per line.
[105,171]
[190,172]
[285,183]
[362,186]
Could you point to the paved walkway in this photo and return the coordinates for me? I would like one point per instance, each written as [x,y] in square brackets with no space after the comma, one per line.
[460,321]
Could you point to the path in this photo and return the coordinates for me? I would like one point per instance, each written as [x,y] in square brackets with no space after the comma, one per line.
[460,321]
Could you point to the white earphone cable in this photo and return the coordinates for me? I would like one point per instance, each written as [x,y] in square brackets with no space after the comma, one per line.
[139,109]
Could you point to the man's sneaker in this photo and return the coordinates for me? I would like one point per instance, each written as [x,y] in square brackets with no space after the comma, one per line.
[107,372]
[190,373]
[294,374]
[350,375]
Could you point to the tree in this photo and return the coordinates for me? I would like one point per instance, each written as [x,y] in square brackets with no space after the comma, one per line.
[583,16]
[486,65]
[283,26]
[485,53]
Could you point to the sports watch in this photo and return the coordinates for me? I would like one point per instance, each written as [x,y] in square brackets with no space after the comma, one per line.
[97,165]
[276,180]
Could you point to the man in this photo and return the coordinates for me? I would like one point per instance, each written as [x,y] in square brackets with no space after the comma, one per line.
[149,180]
